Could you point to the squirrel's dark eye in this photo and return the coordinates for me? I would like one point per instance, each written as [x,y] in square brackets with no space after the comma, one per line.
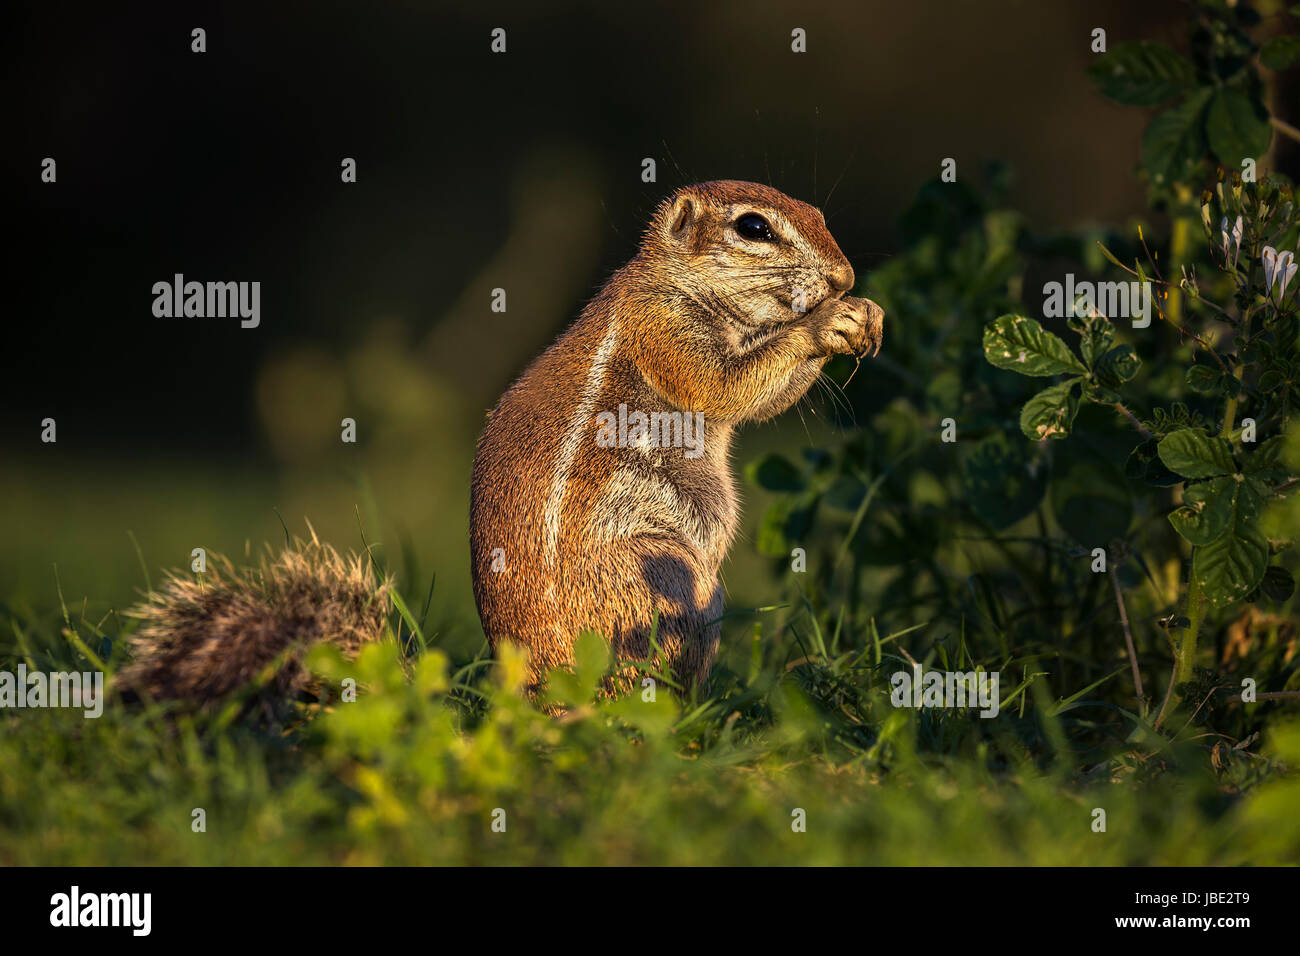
[753,226]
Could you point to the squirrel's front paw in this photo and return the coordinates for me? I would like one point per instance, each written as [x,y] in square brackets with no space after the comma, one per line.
[848,325]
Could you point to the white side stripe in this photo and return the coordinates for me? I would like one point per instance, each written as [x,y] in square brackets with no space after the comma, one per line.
[582,416]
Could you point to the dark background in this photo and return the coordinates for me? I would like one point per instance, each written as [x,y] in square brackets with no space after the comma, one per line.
[225,166]
[475,171]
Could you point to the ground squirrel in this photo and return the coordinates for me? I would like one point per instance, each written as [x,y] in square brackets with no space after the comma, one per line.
[202,640]
[602,491]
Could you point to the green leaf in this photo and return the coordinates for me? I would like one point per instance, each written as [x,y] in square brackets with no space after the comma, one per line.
[1050,413]
[1251,496]
[1266,461]
[1141,73]
[943,393]
[1098,337]
[1003,483]
[1282,520]
[1091,500]
[1236,127]
[1290,451]
[771,539]
[1271,380]
[1021,345]
[1117,366]
[591,657]
[1202,378]
[1278,583]
[786,523]
[775,473]
[818,459]
[1192,454]
[1174,143]
[1207,510]
[1280,52]
[1110,255]
[845,493]
[1096,392]
[1144,464]
[1230,568]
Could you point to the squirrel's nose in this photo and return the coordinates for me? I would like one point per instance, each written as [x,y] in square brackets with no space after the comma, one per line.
[841,277]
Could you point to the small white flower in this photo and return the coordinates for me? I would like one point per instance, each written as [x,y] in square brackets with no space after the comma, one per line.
[1279,268]
[1231,239]
[1286,272]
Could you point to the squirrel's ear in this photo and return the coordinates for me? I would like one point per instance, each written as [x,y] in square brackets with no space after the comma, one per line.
[680,220]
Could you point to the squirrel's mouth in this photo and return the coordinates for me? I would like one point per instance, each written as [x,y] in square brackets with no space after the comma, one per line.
[809,301]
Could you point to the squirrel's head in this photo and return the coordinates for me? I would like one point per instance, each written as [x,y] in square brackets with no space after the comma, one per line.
[746,249]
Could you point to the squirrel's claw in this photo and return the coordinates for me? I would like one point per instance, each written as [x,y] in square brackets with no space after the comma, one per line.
[875,328]
[850,325]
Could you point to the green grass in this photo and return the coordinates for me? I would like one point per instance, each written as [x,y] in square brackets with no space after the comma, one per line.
[413,771]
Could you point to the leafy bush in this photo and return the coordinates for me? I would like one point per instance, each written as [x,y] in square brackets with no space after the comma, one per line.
[1145,496]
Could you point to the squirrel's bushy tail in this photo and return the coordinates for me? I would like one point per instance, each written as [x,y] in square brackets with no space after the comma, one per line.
[202,639]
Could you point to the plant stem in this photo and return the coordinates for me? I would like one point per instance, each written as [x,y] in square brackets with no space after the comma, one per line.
[1142,429]
[1128,640]
[1285,128]
[1230,411]
[1177,251]
[1185,647]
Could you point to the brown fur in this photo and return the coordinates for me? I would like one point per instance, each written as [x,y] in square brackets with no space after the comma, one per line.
[202,640]
[600,538]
